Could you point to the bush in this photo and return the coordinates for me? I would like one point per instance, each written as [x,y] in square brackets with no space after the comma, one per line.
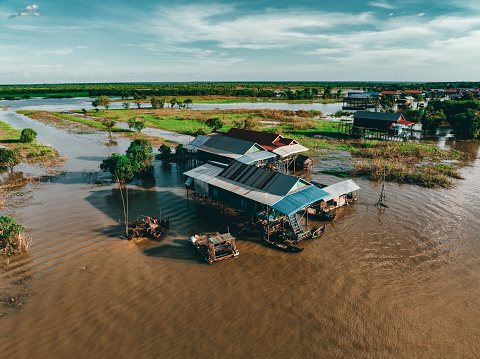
[27,135]
[12,238]
[165,151]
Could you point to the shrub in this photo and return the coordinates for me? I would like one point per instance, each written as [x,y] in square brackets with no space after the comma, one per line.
[165,151]
[140,153]
[28,135]
[12,237]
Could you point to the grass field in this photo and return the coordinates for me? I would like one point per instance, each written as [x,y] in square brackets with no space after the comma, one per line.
[31,152]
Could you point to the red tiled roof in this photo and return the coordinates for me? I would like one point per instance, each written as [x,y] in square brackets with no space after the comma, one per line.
[413,91]
[389,92]
[452,91]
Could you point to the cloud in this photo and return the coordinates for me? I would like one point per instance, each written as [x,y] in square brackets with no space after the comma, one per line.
[30,10]
[382,4]
[421,14]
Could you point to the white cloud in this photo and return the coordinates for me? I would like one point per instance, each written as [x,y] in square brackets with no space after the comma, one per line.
[30,10]
[267,30]
[382,4]
[421,14]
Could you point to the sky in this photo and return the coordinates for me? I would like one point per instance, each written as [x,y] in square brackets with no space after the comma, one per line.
[58,41]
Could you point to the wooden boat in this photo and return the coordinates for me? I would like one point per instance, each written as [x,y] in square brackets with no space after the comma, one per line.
[284,247]
[315,233]
[322,215]
[214,247]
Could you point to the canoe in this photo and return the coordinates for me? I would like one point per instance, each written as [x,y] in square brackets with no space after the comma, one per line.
[284,247]
[315,233]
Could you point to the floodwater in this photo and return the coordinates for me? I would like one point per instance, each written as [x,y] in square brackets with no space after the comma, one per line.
[401,282]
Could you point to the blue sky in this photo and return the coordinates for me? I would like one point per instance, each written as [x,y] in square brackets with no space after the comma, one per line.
[122,41]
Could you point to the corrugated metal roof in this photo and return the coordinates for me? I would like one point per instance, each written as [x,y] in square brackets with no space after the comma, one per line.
[245,191]
[197,142]
[269,181]
[340,188]
[383,116]
[298,200]
[255,157]
[289,150]
[204,172]
[231,145]
[262,138]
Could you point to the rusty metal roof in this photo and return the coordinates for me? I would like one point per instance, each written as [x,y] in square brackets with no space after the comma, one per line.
[262,138]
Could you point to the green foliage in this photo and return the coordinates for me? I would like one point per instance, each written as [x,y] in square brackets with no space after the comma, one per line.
[215,123]
[28,135]
[138,125]
[12,238]
[126,105]
[140,153]
[108,124]
[103,101]
[156,102]
[180,152]
[432,119]
[466,125]
[9,158]
[165,152]
[119,166]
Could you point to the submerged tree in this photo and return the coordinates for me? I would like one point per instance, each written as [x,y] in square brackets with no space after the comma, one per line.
[119,166]
[9,158]
[165,151]
[138,125]
[140,153]
[104,102]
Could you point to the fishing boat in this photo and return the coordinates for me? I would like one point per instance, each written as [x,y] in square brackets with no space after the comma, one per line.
[214,247]
[284,247]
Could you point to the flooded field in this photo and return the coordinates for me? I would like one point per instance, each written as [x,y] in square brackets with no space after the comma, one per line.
[400,282]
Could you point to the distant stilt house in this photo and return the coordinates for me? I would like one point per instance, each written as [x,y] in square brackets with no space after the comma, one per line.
[382,124]
[360,100]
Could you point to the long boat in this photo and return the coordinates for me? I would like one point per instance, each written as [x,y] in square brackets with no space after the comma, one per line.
[284,247]
[214,247]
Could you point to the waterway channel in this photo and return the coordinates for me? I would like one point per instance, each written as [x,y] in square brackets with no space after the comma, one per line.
[400,282]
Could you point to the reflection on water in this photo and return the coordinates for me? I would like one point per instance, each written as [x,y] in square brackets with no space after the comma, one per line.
[401,282]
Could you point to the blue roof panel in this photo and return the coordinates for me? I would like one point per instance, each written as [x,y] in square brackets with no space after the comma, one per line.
[296,201]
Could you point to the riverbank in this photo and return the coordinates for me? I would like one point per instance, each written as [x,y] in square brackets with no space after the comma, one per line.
[403,162]
[30,152]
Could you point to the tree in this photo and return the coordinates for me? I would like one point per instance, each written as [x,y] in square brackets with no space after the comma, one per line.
[138,125]
[140,153]
[188,101]
[109,125]
[156,102]
[180,152]
[468,96]
[104,102]
[173,101]
[126,105]
[165,151]
[327,92]
[432,119]
[215,123]
[9,158]
[119,166]
[467,124]
[28,135]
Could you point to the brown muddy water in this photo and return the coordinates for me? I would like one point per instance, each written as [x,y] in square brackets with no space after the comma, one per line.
[401,282]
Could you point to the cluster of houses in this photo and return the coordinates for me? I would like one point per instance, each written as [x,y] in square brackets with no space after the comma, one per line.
[248,171]
[356,100]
